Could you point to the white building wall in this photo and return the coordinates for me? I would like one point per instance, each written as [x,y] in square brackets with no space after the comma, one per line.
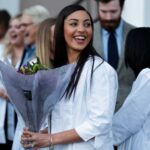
[54,6]
[147,13]
[12,6]
[134,12]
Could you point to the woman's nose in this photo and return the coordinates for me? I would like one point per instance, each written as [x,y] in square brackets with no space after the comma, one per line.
[81,28]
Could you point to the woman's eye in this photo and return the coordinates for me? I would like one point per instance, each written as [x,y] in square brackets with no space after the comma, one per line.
[73,24]
[87,24]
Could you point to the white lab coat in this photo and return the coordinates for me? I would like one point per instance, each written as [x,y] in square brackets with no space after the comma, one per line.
[11,113]
[2,120]
[131,124]
[2,106]
[90,111]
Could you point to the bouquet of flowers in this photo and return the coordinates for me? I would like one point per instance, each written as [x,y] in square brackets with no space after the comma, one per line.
[33,94]
[32,67]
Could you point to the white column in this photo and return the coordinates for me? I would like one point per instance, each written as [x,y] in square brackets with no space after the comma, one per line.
[12,6]
[134,12]
[147,13]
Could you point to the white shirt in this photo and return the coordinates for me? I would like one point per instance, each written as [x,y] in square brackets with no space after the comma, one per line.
[131,124]
[90,111]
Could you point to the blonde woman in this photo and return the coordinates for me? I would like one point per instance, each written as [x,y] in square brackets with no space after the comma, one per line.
[44,42]
[15,45]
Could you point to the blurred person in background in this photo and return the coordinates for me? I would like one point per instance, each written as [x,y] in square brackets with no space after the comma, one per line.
[12,54]
[131,124]
[30,21]
[14,49]
[110,32]
[4,24]
[44,42]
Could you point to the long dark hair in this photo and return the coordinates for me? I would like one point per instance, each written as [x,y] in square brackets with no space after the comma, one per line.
[61,57]
[137,49]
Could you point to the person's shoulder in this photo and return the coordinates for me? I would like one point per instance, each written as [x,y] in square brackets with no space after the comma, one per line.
[97,25]
[143,79]
[145,73]
[97,60]
[128,25]
[97,22]
[100,64]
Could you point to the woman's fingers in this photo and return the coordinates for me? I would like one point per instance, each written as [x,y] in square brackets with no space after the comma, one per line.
[28,138]
[28,142]
[25,139]
[28,145]
[27,133]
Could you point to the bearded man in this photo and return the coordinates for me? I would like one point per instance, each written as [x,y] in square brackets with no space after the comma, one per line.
[110,32]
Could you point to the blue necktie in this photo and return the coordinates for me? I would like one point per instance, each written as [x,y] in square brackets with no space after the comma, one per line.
[112,51]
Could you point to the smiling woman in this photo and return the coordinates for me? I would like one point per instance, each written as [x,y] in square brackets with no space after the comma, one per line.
[77,32]
[85,110]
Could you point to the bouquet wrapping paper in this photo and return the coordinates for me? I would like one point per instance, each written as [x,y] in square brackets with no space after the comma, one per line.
[35,95]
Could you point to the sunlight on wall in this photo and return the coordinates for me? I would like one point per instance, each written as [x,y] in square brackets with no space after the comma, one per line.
[134,12]
[13,6]
[147,13]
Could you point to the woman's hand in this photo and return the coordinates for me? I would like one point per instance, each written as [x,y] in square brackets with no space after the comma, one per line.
[44,130]
[37,140]
[34,139]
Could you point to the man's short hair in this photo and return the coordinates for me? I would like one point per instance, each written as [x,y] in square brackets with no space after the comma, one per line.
[107,1]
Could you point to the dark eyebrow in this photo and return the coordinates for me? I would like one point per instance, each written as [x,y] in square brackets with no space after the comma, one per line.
[78,20]
[72,20]
[87,20]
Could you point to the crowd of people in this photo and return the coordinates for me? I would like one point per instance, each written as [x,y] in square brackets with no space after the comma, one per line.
[105,105]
